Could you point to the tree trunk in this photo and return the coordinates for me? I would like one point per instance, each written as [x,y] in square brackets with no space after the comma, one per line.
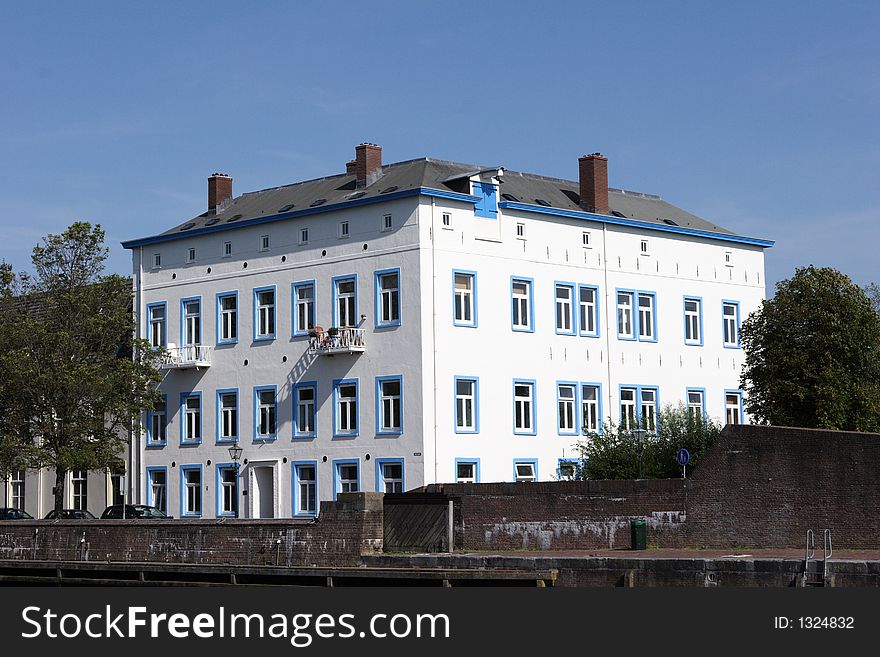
[59,489]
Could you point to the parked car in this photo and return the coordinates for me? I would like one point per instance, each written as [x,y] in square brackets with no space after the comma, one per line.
[9,513]
[69,514]
[133,511]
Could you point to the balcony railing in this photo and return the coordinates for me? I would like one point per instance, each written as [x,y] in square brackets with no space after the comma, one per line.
[187,356]
[346,341]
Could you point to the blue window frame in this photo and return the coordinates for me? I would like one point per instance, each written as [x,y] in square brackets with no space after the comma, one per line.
[265,315]
[466,409]
[345,301]
[464,298]
[636,315]
[190,418]
[693,321]
[227,415]
[567,415]
[525,416]
[157,487]
[191,490]
[345,408]
[591,406]
[265,413]
[588,310]
[487,206]
[696,402]
[525,469]
[566,469]
[305,488]
[387,291]
[191,323]
[227,317]
[522,304]
[305,409]
[389,405]
[639,407]
[564,308]
[390,475]
[733,407]
[226,478]
[303,305]
[730,323]
[157,424]
[157,324]
[467,471]
[346,476]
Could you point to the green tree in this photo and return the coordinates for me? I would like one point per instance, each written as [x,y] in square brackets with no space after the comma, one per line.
[812,355]
[74,381]
[615,453]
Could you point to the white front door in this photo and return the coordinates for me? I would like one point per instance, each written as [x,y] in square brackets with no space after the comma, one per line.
[262,491]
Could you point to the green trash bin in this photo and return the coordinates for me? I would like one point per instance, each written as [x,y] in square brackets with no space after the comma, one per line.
[638,530]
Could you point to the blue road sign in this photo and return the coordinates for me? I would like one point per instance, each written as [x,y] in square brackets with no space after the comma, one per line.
[683,457]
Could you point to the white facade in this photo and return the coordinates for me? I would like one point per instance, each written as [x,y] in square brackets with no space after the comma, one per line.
[461,380]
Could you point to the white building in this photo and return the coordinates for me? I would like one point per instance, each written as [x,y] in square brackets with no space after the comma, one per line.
[485,316]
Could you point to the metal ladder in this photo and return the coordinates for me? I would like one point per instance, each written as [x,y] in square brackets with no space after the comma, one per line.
[815,572]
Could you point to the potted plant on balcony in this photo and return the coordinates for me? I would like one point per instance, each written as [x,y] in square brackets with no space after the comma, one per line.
[332,331]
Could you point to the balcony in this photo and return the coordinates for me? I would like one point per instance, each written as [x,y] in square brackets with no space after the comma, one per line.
[186,357]
[346,341]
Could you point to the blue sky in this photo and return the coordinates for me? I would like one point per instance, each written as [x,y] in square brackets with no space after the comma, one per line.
[761,116]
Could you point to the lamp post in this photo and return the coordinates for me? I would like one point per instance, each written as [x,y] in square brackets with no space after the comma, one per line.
[640,439]
[235,454]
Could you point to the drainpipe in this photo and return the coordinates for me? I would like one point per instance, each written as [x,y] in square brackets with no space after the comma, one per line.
[609,306]
[134,480]
[434,328]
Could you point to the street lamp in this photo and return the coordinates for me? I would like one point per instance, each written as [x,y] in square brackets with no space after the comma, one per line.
[235,454]
[640,439]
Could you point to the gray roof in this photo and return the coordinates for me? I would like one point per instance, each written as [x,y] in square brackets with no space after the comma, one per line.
[444,176]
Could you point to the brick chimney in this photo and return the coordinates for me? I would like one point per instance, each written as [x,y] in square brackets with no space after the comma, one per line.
[368,163]
[219,190]
[351,166]
[593,170]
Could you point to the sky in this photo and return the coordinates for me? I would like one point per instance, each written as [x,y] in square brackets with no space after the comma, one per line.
[759,116]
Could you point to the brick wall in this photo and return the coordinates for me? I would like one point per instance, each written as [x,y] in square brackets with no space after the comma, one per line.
[346,529]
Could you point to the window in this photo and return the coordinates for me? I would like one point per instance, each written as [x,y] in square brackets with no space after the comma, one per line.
[347,476]
[192,326]
[638,408]
[564,320]
[266,420]
[227,318]
[264,320]
[649,408]
[733,407]
[525,470]
[465,307]
[695,404]
[345,308]
[389,477]
[227,410]
[264,242]
[157,260]
[227,494]
[524,407]
[585,239]
[191,427]
[590,413]
[116,494]
[227,249]
[79,489]
[644,247]
[565,408]
[628,408]
[730,318]
[346,402]
[16,489]
[303,307]
[467,472]
[343,229]
[305,489]
[386,222]
[728,258]
[191,490]
[693,321]
[521,231]
[191,254]
[157,486]
[466,405]
[646,328]
[303,236]
[447,221]
[304,410]
[588,310]
[157,423]
[567,469]
[647,317]
[487,206]
[521,299]
[389,400]
[156,327]
[624,316]
[388,297]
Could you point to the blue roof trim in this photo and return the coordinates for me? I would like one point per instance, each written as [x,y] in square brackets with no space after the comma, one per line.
[264,219]
[510,205]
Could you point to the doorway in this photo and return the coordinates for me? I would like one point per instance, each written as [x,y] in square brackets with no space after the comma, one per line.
[262,491]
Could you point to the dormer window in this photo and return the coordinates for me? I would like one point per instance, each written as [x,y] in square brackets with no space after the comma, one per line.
[487,206]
